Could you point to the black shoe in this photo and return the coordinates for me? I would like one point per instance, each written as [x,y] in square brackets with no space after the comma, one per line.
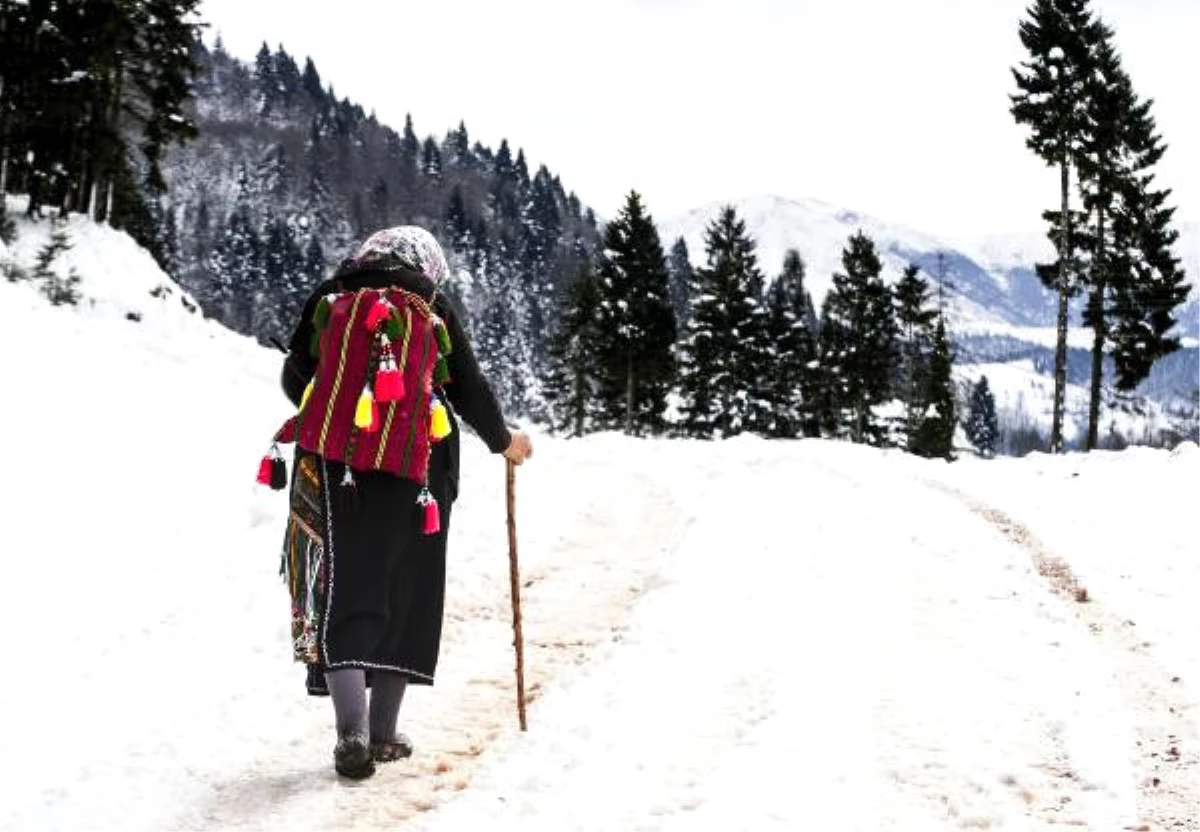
[352,757]
[387,751]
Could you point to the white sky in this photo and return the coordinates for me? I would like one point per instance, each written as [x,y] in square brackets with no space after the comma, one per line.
[897,109]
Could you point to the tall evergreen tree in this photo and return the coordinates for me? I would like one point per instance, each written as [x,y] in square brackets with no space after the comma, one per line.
[431,159]
[237,264]
[1135,281]
[724,351]
[793,349]
[857,336]
[915,317]
[982,427]
[679,267]
[935,433]
[1059,36]
[310,81]
[635,322]
[573,384]
[264,80]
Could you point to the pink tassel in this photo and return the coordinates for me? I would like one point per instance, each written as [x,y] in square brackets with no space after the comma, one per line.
[380,312]
[389,385]
[433,517]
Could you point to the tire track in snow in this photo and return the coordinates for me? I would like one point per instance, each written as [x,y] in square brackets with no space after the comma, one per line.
[1167,749]
[473,705]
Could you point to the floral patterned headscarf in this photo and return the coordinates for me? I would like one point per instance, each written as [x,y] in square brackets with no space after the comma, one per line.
[402,248]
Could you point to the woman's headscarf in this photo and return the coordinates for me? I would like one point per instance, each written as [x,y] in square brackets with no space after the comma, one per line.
[402,248]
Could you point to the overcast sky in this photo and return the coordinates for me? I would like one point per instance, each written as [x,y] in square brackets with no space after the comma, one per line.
[897,109]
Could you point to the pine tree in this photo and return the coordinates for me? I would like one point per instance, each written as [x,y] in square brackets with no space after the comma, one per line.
[935,434]
[635,322]
[431,159]
[458,226]
[236,264]
[1135,281]
[264,80]
[724,351]
[1084,114]
[915,317]
[57,289]
[573,384]
[982,427]
[168,32]
[679,268]
[791,390]
[458,146]
[856,341]
[283,281]
[1059,36]
[310,82]
[1152,287]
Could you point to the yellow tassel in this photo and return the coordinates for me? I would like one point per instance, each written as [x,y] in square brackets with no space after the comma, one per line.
[363,414]
[304,396]
[439,426]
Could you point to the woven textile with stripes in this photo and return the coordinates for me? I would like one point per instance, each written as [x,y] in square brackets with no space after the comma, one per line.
[371,403]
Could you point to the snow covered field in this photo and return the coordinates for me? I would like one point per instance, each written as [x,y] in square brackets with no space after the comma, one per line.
[739,635]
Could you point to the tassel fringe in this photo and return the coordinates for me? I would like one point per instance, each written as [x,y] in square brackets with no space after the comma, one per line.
[439,421]
[432,513]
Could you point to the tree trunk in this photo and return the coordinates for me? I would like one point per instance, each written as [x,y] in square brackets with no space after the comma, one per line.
[1060,350]
[579,402]
[1096,305]
[3,143]
[629,394]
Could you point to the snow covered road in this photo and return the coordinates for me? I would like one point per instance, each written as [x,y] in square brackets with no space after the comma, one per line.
[833,643]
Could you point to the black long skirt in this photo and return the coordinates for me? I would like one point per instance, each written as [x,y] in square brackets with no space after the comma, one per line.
[380,582]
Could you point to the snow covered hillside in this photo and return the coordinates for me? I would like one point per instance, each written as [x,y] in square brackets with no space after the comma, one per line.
[715,637]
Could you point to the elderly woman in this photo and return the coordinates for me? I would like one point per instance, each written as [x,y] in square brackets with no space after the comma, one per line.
[368,591]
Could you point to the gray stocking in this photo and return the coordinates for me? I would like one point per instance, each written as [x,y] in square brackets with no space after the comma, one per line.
[348,690]
[387,692]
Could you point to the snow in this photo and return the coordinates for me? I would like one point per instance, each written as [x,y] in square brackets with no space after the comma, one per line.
[1025,397]
[745,634]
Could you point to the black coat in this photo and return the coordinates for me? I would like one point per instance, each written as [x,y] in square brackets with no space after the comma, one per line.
[383,607]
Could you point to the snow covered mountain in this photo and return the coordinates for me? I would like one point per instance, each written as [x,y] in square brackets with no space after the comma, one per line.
[990,280]
[148,625]
[1010,257]
[820,231]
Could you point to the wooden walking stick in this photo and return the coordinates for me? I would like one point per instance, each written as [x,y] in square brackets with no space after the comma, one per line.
[514,575]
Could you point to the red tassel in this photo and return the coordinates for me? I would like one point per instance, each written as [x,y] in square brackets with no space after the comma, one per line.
[389,386]
[433,517]
[380,312]
[265,469]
